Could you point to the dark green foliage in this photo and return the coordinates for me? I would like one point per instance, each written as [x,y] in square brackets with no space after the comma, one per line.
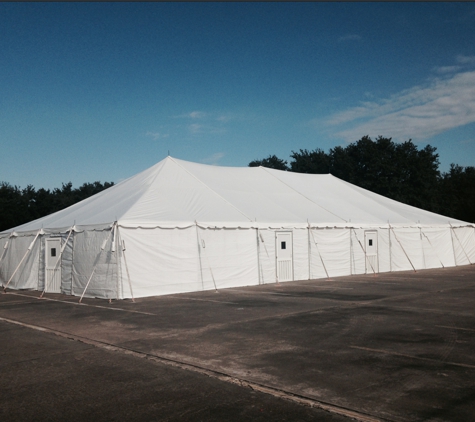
[457,193]
[399,171]
[19,206]
[272,162]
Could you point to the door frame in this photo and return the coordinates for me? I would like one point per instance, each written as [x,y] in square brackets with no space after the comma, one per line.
[278,247]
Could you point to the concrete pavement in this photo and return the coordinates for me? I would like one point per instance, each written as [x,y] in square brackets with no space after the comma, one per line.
[396,346]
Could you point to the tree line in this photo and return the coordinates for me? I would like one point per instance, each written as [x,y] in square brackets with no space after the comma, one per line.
[399,171]
[19,206]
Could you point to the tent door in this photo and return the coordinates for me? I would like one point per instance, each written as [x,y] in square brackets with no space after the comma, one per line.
[371,249]
[53,266]
[284,256]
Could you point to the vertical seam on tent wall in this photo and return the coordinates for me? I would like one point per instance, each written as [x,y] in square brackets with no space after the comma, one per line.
[212,190]
[301,194]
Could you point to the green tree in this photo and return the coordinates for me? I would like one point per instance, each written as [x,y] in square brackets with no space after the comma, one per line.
[457,193]
[314,162]
[272,162]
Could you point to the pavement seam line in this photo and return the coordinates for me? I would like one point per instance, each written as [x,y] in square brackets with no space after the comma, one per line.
[275,392]
[455,328]
[82,304]
[389,352]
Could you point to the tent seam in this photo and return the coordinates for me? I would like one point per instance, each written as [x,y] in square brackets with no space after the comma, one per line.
[301,194]
[212,190]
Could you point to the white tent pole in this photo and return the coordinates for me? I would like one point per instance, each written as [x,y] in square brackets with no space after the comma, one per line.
[352,258]
[4,250]
[199,256]
[460,243]
[202,244]
[95,265]
[119,238]
[3,254]
[320,255]
[422,248]
[258,258]
[410,262]
[24,256]
[309,252]
[264,243]
[390,250]
[430,243]
[57,262]
[365,256]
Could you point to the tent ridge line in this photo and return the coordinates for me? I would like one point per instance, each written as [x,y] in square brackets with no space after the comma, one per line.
[212,190]
[301,194]
[359,188]
[145,191]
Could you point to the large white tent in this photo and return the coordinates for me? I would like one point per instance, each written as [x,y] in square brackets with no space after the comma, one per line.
[180,226]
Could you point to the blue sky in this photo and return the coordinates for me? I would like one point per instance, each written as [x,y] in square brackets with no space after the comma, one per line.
[102,91]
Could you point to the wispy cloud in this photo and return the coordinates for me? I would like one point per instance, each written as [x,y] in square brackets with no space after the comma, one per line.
[192,115]
[213,159]
[201,122]
[350,37]
[417,113]
[156,135]
[197,114]
[466,59]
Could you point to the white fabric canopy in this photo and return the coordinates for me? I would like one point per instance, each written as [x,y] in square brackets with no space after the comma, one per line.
[178,193]
[181,227]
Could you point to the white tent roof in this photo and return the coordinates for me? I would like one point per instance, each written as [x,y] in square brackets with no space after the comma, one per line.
[178,193]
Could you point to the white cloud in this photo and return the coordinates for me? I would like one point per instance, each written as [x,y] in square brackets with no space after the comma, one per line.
[195,128]
[417,113]
[213,159]
[446,69]
[197,114]
[156,135]
[465,59]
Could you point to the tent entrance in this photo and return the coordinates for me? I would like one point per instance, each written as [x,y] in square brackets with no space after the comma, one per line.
[53,265]
[371,251]
[284,256]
